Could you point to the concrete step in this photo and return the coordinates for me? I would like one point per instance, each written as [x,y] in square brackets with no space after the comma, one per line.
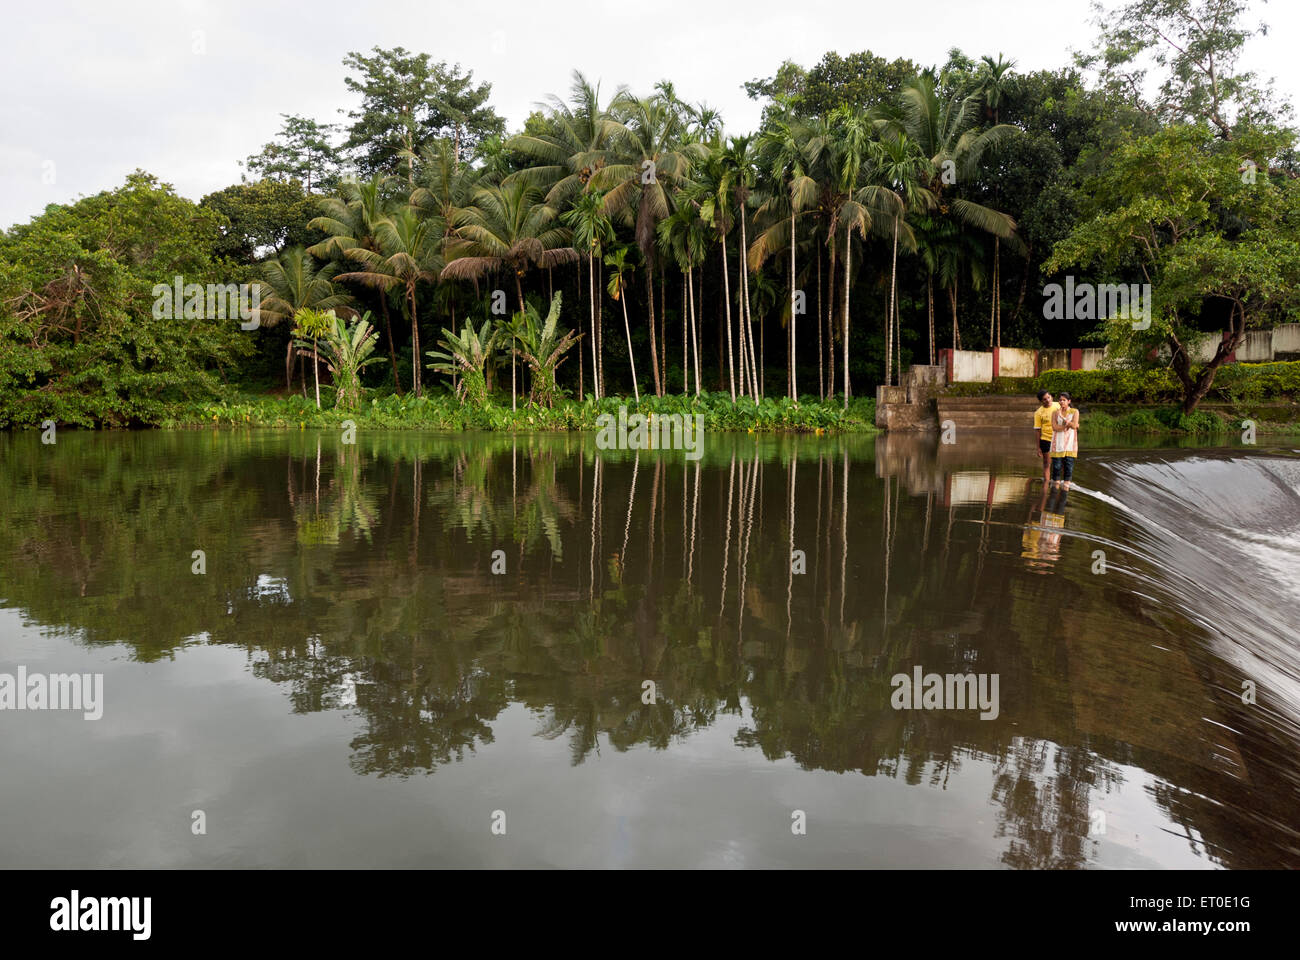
[988,403]
[987,424]
[1006,413]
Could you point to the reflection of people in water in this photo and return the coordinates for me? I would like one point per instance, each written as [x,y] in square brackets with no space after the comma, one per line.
[1043,429]
[1042,540]
[1065,442]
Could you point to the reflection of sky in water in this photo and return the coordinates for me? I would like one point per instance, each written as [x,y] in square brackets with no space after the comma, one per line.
[272,589]
[278,790]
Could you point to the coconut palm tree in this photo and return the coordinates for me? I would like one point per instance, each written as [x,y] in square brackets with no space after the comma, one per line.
[646,163]
[349,220]
[573,147]
[952,145]
[508,227]
[292,282]
[711,191]
[900,165]
[791,191]
[683,237]
[840,152]
[592,232]
[739,163]
[409,254]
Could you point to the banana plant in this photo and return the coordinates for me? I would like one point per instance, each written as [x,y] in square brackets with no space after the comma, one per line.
[468,355]
[346,352]
[542,346]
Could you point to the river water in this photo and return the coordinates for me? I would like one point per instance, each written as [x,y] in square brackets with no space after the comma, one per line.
[431,650]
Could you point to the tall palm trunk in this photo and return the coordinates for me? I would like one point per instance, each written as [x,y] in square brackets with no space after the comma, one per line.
[929,305]
[898,341]
[591,295]
[650,304]
[744,334]
[636,392]
[415,344]
[519,292]
[794,386]
[830,324]
[952,301]
[997,289]
[663,326]
[600,323]
[578,287]
[889,320]
[695,338]
[848,259]
[315,369]
[821,372]
[726,304]
[748,310]
[686,344]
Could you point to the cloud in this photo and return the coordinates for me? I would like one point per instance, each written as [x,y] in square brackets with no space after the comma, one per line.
[103,90]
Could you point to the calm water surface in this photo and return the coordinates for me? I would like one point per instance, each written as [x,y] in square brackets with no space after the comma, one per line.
[350,683]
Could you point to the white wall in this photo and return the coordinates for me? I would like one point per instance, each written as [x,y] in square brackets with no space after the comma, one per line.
[1286,338]
[1015,363]
[970,366]
[1255,347]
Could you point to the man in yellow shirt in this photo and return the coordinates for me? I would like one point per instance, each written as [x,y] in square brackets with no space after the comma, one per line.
[1043,431]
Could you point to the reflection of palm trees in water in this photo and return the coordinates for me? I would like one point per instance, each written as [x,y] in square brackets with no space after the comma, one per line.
[345,504]
[426,655]
[1044,791]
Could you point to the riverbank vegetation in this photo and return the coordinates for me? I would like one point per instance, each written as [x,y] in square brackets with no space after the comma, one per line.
[421,264]
[444,412]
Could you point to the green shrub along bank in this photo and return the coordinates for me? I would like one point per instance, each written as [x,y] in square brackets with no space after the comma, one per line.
[1234,383]
[1147,401]
[1202,423]
[442,411]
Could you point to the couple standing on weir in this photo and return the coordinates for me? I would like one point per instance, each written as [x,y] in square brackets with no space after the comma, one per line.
[1056,425]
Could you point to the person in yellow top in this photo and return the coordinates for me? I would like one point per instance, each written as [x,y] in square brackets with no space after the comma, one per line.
[1065,442]
[1043,431]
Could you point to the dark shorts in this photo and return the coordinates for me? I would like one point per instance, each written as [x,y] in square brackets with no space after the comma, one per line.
[1063,468]
[1044,446]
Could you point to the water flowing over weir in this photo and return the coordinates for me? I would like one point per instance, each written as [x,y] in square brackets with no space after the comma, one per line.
[1219,541]
[1223,536]
[394,638]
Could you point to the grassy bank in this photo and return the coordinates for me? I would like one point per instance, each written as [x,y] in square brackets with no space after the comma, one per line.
[440,411]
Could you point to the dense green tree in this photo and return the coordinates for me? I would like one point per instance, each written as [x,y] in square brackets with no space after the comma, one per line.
[303,151]
[85,336]
[262,219]
[407,101]
[1195,46]
[1175,210]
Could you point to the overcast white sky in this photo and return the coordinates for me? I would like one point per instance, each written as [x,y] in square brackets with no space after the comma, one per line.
[95,90]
